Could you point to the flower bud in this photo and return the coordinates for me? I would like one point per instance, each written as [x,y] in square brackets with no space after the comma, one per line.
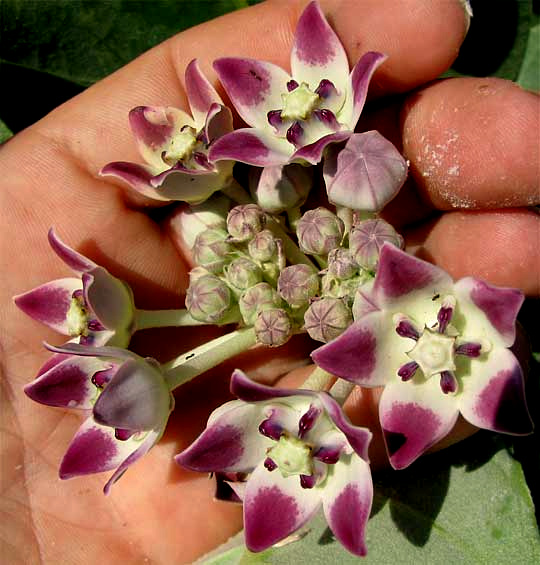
[327,318]
[273,327]
[208,299]
[297,284]
[334,288]
[211,249]
[319,231]
[367,238]
[256,299]
[341,264]
[243,273]
[263,247]
[280,188]
[243,222]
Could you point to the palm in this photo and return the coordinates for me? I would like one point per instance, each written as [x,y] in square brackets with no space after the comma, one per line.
[49,179]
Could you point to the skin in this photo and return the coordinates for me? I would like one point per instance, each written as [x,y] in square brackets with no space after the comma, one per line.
[159,513]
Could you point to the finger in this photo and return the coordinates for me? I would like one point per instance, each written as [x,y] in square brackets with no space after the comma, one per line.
[500,246]
[473,143]
[420,43]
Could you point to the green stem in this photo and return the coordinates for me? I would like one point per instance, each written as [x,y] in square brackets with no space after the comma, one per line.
[341,390]
[237,193]
[346,216]
[145,319]
[318,380]
[293,254]
[202,358]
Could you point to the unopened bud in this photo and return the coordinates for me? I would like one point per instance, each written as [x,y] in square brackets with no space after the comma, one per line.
[273,327]
[211,249]
[319,231]
[335,288]
[297,284]
[280,188]
[208,299]
[256,299]
[341,264]
[263,247]
[243,273]
[327,318]
[367,238]
[243,222]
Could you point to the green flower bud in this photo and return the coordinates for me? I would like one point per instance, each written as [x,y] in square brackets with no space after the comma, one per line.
[341,264]
[211,249]
[257,299]
[243,222]
[367,238]
[327,318]
[208,299]
[273,327]
[263,247]
[280,188]
[297,284]
[319,231]
[243,273]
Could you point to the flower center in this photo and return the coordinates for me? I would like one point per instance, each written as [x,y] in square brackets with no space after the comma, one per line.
[291,456]
[434,353]
[299,103]
[181,146]
[77,318]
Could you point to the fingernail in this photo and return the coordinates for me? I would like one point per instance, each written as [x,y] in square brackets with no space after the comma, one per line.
[466,5]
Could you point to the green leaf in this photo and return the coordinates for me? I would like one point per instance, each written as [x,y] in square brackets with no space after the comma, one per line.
[529,74]
[469,504]
[5,132]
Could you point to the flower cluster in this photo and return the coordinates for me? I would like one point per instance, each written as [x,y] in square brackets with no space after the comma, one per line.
[273,262]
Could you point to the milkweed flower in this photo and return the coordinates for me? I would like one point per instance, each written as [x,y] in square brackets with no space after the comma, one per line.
[175,146]
[301,452]
[439,348]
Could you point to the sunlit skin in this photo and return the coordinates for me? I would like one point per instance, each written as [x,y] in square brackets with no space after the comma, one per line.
[158,513]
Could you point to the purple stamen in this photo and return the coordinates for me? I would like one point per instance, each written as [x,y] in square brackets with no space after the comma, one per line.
[271,429]
[443,317]
[407,371]
[307,481]
[95,325]
[295,134]
[291,85]
[122,435]
[202,160]
[326,88]
[307,421]
[86,339]
[469,349]
[78,294]
[329,455]
[101,378]
[327,117]
[405,328]
[274,118]
[448,382]
[270,464]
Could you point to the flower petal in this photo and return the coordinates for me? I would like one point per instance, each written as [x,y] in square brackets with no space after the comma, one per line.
[359,83]
[95,449]
[136,176]
[253,146]
[347,499]
[137,398]
[218,122]
[50,303]
[254,87]
[110,299]
[493,394]
[201,94]
[317,52]
[499,306]
[365,174]
[71,258]
[153,127]
[107,352]
[250,391]
[275,507]
[231,441]
[68,383]
[414,417]
[313,153]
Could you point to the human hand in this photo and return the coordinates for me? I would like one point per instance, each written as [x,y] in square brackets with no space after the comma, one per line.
[159,512]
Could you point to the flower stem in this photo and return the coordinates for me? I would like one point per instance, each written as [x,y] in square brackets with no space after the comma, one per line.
[318,380]
[292,252]
[202,358]
[236,193]
[341,390]
[145,319]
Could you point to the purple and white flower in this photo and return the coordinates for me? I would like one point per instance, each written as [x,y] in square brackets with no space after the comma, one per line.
[175,146]
[301,452]
[95,308]
[294,117]
[440,348]
[127,397]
